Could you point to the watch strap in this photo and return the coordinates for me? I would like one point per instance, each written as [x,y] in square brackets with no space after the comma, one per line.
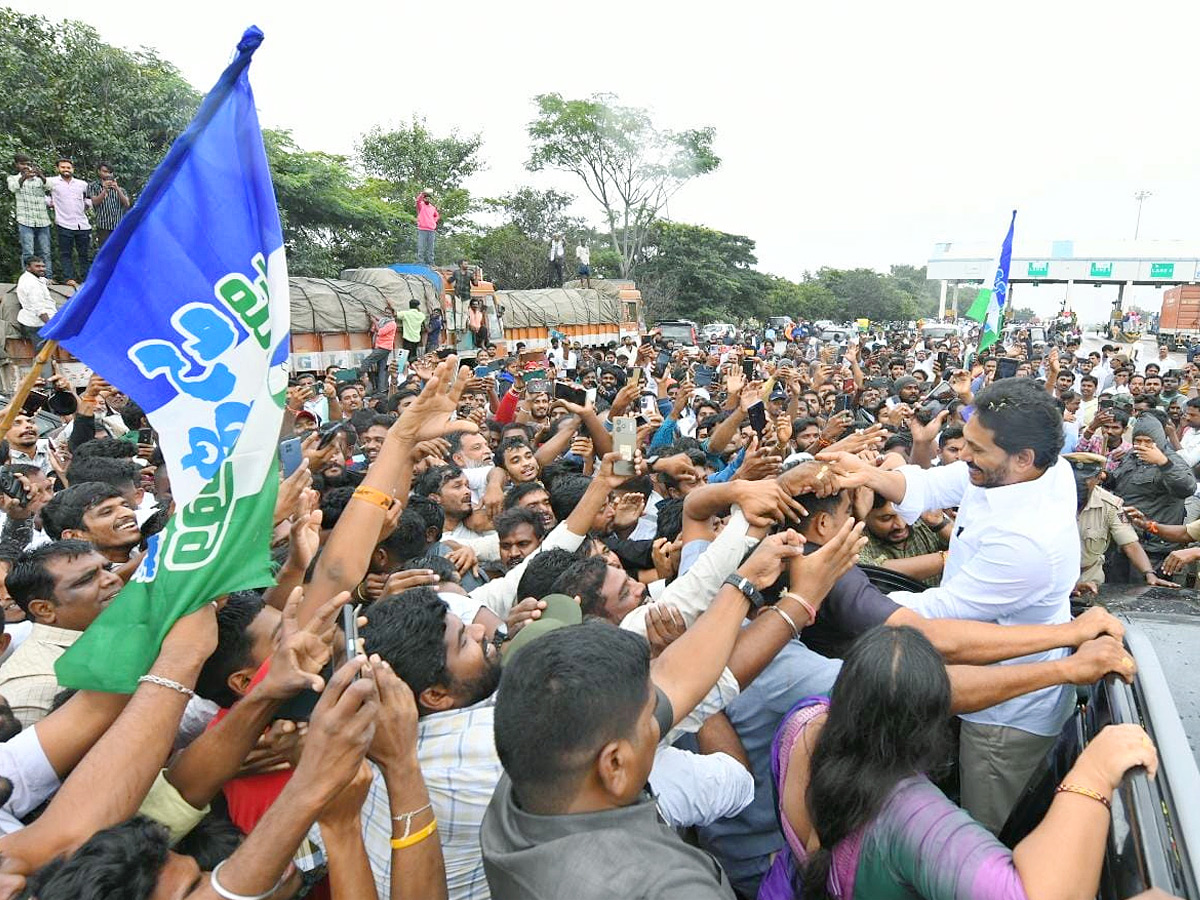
[749,591]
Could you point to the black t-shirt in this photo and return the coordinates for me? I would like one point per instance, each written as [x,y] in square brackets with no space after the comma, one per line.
[853,606]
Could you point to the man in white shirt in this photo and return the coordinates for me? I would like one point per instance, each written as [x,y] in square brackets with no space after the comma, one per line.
[68,198]
[33,293]
[1013,559]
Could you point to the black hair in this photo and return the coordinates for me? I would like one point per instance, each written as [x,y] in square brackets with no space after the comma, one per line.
[29,578]
[33,259]
[122,861]
[414,304]
[134,417]
[585,580]
[670,519]
[333,504]
[408,538]
[553,471]
[408,631]
[66,509]
[1021,416]
[949,433]
[542,571]
[439,565]
[1091,378]
[431,513]
[119,473]
[455,439]
[517,492]
[215,838]
[233,647]
[511,519]
[510,444]
[430,482]
[550,718]
[114,448]
[888,715]
[817,505]
[566,493]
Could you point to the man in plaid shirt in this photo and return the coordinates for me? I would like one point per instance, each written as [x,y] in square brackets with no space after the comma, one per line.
[33,218]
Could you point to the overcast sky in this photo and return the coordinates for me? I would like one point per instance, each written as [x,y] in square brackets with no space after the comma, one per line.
[851,133]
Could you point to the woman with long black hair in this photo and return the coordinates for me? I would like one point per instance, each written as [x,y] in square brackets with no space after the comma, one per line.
[863,822]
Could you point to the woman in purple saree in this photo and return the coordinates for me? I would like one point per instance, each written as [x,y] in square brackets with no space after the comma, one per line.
[862,822]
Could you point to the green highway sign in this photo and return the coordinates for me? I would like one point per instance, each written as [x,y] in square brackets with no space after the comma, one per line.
[1038,270]
[1101,270]
[1162,270]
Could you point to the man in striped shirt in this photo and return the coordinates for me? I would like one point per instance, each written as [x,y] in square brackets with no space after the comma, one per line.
[109,202]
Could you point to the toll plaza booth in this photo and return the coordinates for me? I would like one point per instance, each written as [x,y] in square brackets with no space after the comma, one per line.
[1126,264]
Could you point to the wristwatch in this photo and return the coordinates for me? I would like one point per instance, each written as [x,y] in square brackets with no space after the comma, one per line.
[650,461]
[746,586]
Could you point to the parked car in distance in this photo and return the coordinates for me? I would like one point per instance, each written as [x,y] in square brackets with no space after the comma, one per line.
[682,332]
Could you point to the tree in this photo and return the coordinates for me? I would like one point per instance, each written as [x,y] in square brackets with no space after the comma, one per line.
[700,273]
[1020,314]
[68,93]
[536,213]
[630,167]
[409,159]
[331,220]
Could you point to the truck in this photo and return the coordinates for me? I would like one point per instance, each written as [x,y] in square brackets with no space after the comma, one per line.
[331,317]
[1179,320]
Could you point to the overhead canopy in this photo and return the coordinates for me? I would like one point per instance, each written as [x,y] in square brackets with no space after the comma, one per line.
[557,306]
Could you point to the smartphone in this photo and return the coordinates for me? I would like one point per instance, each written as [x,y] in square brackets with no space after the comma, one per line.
[482,371]
[704,376]
[757,416]
[625,443]
[660,364]
[748,368]
[590,395]
[401,363]
[941,359]
[145,435]
[346,375]
[635,377]
[290,456]
[350,629]
[840,355]
[328,432]
[647,339]
[565,390]
[942,391]
[539,386]
[1006,367]
[34,401]
[843,403]
[536,375]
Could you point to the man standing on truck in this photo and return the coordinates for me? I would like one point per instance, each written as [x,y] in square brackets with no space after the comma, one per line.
[412,323]
[427,223]
[583,253]
[558,252]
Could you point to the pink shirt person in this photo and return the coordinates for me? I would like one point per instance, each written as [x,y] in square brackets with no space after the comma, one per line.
[427,214]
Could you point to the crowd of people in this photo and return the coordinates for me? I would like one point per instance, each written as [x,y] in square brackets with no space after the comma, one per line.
[80,208]
[633,621]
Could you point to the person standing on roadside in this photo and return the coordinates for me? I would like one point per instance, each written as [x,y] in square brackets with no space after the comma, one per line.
[109,201]
[33,218]
[68,197]
[427,223]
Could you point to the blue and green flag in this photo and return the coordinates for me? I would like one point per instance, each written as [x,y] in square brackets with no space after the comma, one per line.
[988,307]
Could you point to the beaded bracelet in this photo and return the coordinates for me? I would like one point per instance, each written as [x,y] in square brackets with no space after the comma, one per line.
[1066,788]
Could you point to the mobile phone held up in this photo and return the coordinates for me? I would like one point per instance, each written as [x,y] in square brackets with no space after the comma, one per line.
[290,456]
[350,630]
[757,416]
[625,443]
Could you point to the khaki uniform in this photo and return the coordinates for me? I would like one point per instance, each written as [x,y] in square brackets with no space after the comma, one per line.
[1101,522]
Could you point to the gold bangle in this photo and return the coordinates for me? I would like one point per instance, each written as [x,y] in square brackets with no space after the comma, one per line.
[415,838]
[370,495]
[1082,791]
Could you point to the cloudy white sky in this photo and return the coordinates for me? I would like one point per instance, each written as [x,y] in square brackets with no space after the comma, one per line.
[851,133]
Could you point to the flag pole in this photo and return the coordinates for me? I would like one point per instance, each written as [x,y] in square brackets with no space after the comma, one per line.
[26,385]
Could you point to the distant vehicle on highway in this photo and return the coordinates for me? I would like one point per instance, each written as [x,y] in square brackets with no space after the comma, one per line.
[718,331]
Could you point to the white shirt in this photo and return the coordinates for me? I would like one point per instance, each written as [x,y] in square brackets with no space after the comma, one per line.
[70,203]
[699,788]
[23,762]
[33,294]
[584,255]
[1014,557]
[558,250]
[1189,446]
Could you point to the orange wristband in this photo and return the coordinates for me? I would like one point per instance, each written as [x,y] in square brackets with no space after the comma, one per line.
[370,495]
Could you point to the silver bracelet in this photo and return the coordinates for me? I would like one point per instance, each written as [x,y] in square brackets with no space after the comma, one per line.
[789,620]
[407,818]
[167,683]
[230,895]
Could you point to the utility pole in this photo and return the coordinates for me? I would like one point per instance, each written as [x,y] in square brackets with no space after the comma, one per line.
[1140,197]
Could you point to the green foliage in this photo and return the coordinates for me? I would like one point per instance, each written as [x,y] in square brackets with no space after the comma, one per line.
[629,166]
[688,271]
[66,92]
[410,159]
[538,214]
[1020,314]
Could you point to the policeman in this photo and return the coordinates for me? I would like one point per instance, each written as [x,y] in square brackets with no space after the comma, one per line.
[1102,523]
